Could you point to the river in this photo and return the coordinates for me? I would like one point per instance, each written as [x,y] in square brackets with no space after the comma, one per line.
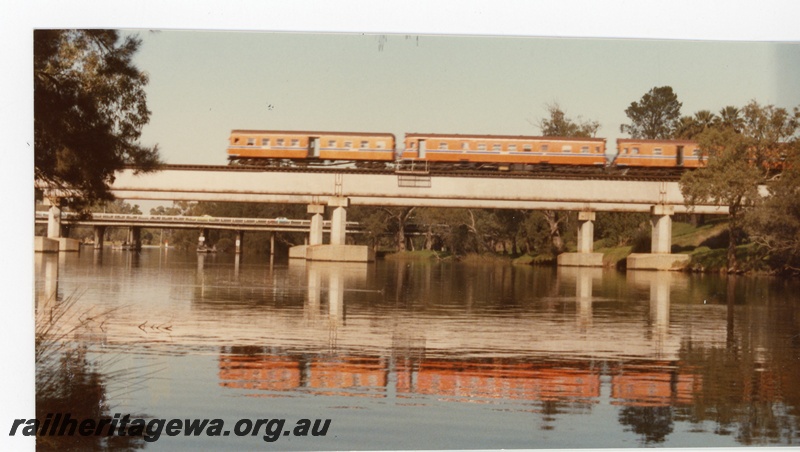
[429,355]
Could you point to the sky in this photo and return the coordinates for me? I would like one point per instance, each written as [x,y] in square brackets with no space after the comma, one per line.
[204,84]
[467,66]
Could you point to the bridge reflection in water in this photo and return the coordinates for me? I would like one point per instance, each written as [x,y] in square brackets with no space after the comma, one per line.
[408,371]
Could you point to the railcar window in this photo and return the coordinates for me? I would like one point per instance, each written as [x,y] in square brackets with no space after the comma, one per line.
[331,143]
[497,147]
[348,144]
[280,142]
[545,148]
[566,148]
[251,141]
[481,146]
[584,149]
[657,151]
[295,143]
[512,148]
[626,151]
[597,149]
[635,150]
[265,142]
[465,146]
[527,148]
[381,145]
[695,151]
[364,144]
[442,146]
[236,140]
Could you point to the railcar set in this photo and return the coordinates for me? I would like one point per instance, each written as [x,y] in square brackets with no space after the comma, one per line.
[443,152]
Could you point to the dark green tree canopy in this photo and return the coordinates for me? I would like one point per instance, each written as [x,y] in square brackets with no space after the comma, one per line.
[559,125]
[89,110]
[655,116]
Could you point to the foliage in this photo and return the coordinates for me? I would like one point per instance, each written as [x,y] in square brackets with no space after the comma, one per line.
[655,116]
[738,161]
[620,228]
[89,110]
[559,125]
[775,225]
[728,179]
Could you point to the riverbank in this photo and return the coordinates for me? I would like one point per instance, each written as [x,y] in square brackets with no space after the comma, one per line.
[705,244]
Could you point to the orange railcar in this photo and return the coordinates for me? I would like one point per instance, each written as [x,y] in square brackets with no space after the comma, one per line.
[503,151]
[658,153]
[311,146]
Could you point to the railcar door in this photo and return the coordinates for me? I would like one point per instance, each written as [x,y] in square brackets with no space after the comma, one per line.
[313,147]
[421,153]
[679,156]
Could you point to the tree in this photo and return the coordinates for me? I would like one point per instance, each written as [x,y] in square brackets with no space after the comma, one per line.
[655,116]
[559,125]
[775,226]
[727,179]
[89,109]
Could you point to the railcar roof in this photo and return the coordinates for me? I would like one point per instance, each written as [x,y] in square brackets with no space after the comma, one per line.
[502,137]
[314,132]
[634,140]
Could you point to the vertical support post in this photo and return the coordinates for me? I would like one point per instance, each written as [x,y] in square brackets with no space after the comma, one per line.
[586,232]
[338,220]
[99,237]
[315,235]
[272,244]
[661,221]
[54,221]
[136,238]
[239,239]
[338,223]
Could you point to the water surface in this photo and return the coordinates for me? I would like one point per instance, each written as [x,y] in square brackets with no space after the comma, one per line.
[429,355]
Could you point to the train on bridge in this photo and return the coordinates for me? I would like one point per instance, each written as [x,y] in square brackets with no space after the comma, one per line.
[443,151]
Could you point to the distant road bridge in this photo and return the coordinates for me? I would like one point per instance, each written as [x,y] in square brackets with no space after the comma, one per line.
[187,222]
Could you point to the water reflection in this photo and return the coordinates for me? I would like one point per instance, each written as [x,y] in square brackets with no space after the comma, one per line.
[656,354]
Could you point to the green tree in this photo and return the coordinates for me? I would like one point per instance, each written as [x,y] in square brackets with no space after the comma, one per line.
[775,225]
[89,110]
[728,179]
[655,116]
[559,125]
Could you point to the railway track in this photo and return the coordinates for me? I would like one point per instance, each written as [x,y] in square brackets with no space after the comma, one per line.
[552,172]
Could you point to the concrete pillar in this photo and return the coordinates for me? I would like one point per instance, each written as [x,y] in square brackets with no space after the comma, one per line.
[239,239]
[315,235]
[203,239]
[662,229]
[585,255]
[135,234]
[660,257]
[586,232]
[99,237]
[54,222]
[338,220]
[272,244]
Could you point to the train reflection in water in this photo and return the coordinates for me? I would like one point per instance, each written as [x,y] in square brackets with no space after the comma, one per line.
[642,383]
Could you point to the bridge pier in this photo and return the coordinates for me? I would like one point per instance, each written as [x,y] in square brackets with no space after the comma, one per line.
[585,257]
[337,250]
[56,240]
[660,256]
[135,238]
[239,239]
[99,237]
[315,236]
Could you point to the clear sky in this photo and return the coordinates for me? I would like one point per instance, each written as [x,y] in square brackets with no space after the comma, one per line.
[203,84]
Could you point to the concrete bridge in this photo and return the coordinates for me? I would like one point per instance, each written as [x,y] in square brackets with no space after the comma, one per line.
[344,187]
